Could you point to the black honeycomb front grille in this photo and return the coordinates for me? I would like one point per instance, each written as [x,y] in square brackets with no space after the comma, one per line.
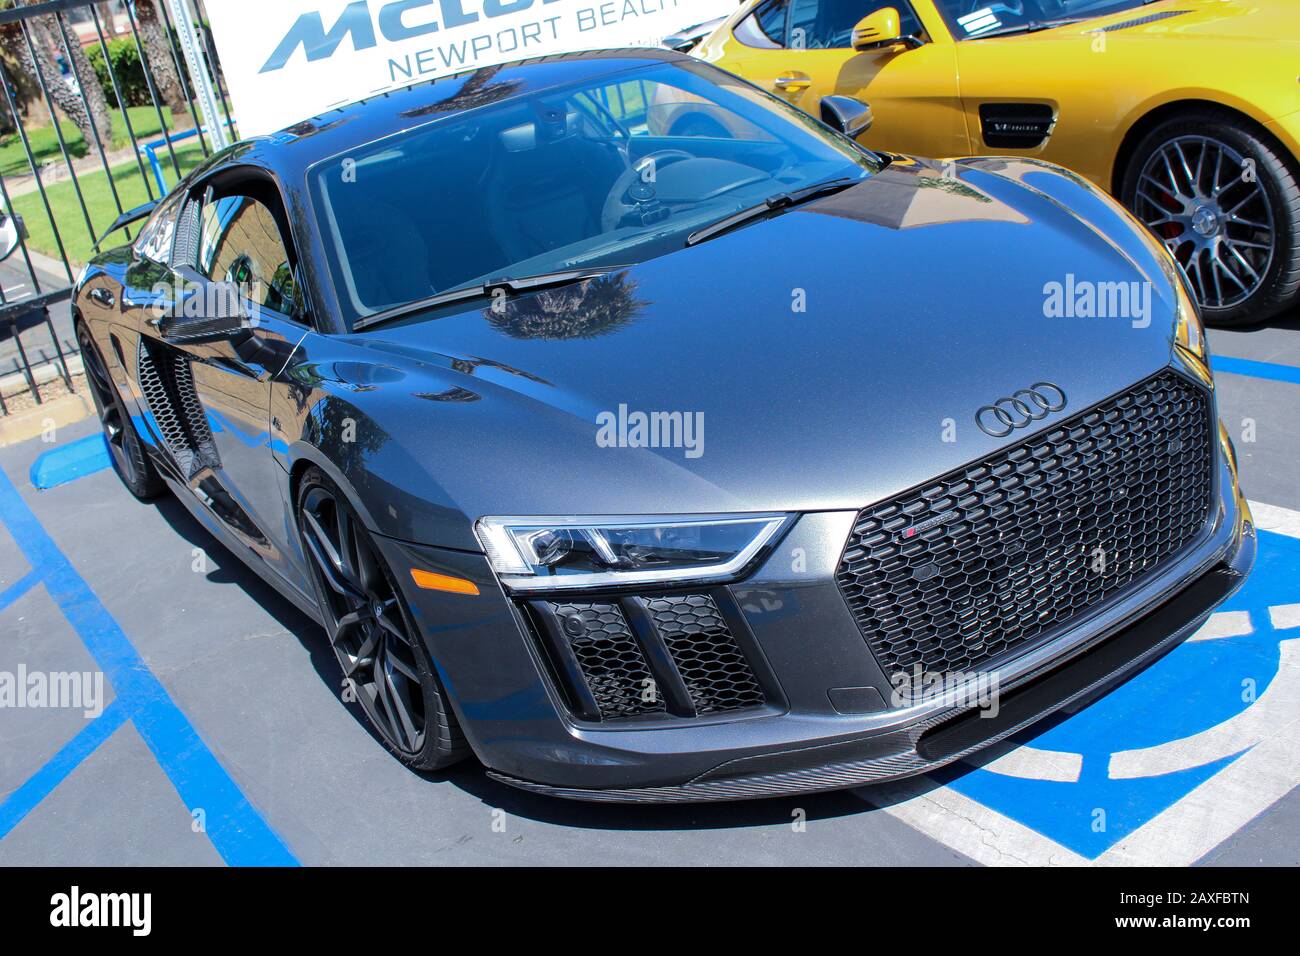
[976,565]
[648,657]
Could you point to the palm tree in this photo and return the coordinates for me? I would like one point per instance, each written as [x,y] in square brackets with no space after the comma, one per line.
[43,35]
[157,45]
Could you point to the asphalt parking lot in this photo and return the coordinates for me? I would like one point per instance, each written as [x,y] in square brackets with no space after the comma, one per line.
[223,737]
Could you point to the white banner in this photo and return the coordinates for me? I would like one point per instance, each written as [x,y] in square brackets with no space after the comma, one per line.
[286,60]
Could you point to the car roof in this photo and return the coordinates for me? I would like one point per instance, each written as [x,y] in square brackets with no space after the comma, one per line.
[289,152]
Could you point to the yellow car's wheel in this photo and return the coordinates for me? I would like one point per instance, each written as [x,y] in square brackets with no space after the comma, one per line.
[1226,203]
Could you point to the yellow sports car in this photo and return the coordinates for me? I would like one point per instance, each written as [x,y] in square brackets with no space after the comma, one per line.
[1187,110]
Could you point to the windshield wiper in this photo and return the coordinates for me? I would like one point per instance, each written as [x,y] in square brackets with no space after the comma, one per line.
[485,290]
[770,205]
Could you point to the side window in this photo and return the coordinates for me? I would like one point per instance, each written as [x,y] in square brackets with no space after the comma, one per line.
[240,242]
[155,239]
[626,103]
[765,27]
[649,108]
[828,24]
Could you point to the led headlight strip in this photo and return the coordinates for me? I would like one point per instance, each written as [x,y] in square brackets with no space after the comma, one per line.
[533,554]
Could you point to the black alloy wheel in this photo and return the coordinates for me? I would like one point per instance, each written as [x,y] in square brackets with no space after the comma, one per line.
[127,452]
[386,668]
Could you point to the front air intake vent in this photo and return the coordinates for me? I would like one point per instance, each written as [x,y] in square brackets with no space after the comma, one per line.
[646,657]
[611,662]
[710,661]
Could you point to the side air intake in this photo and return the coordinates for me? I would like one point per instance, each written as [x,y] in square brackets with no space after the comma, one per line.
[167,381]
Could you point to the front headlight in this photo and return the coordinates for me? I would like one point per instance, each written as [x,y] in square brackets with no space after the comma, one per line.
[530,554]
[1190,334]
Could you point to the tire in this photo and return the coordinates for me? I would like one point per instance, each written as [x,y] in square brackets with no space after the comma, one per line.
[1247,284]
[386,667]
[126,452]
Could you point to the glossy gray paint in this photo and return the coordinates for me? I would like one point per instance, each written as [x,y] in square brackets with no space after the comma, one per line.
[924,291]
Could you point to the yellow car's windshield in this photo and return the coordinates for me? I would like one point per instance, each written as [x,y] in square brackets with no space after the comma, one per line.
[973,19]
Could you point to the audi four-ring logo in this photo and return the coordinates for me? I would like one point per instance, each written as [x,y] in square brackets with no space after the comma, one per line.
[1024,407]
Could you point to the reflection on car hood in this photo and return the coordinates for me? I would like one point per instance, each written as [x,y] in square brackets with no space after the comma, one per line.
[829,356]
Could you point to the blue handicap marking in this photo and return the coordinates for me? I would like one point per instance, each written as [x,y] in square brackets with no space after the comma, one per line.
[235,828]
[58,466]
[1195,688]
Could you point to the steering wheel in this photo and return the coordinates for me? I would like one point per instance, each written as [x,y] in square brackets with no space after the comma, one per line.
[617,204]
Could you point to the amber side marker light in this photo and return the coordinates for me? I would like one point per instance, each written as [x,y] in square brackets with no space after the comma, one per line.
[429,581]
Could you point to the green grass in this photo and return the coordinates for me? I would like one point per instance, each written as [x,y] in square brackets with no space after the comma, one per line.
[99,204]
[45,144]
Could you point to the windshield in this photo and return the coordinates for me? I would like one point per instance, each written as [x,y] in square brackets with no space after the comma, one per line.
[970,19]
[610,172]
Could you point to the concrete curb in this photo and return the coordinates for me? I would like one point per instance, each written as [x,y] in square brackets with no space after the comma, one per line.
[56,413]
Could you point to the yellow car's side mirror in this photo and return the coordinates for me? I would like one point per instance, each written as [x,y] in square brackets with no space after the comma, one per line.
[878,29]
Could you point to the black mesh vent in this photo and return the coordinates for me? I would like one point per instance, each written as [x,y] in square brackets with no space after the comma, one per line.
[712,666]
[982,561]
[612,663]
[167,381]
[1139,21]
[658,657]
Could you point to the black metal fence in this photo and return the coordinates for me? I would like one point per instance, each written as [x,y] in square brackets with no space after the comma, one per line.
[46,49]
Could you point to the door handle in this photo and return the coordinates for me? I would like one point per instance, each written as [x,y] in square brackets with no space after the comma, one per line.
[103,297]
[793,82]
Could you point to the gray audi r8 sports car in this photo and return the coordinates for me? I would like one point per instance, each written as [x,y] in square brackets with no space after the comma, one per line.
[655,467]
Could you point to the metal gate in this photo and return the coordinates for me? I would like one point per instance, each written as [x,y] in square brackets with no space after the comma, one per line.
[54,212]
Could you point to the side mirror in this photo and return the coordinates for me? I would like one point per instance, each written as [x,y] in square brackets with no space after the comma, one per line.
[208,312]
[878,29]
[844,113]
[12,232]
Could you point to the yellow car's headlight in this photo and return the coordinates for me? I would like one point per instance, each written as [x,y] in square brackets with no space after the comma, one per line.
[1190,334]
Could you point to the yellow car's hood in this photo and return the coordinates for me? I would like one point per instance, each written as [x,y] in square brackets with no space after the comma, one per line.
[1272,22]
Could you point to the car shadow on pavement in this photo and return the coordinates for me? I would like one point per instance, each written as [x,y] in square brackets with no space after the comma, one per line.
[471,777]
[1288,321]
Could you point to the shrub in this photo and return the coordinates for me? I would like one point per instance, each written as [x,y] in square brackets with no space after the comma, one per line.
[126,67]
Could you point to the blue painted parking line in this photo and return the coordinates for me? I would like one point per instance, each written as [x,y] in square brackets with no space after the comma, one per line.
[20,587]
[42,783]
[238,832]
[1267,370]
[58,466]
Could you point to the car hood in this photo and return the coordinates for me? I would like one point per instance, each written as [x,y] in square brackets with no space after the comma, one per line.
[824,359]
[1245,46]
[1272,22]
